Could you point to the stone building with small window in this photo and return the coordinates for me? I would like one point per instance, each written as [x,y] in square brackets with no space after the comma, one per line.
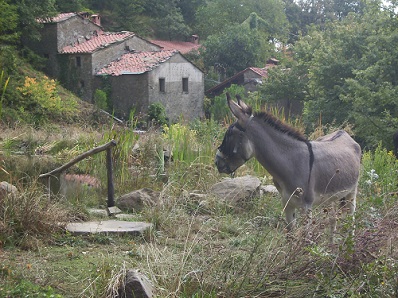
[149,77]
[84,58]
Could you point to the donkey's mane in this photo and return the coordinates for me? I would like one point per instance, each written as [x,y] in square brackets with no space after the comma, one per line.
[274,122]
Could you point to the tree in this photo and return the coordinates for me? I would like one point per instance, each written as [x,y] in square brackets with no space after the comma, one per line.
[8,23]
[236,49]
[349,74]
[168,22]
[28,13]
[216,16]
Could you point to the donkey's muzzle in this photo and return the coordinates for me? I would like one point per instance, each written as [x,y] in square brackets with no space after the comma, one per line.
[221,163]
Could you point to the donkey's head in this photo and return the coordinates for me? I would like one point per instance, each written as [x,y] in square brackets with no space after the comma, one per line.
[235,148]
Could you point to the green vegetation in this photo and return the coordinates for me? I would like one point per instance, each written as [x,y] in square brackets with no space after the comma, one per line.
[198,247]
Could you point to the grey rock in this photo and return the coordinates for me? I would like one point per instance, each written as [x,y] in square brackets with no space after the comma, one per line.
[237,189]
[137,200]
[136,285]
[6,189]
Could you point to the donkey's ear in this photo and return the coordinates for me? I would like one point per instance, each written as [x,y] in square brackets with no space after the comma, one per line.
[236,109]
[247,109]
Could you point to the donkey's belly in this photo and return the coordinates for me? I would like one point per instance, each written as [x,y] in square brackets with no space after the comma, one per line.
[327,198]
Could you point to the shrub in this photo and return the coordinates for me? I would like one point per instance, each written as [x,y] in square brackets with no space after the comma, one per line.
[157,114]
[41,101]
[379,172]
[100,99]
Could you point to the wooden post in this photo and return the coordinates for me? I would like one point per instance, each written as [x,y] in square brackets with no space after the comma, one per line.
[111,190]
[108,148]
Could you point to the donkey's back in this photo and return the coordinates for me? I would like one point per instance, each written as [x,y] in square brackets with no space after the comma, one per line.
[335,173]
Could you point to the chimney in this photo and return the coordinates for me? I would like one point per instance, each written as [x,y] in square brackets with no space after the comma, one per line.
[195,39]
[95,18]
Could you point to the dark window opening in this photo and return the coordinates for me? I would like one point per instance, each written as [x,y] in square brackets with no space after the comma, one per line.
[185,85]
[162,85]
[81,84]
[78,61]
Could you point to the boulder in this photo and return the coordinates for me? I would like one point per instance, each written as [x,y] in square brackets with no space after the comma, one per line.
[270,189]
[136,285]
[137,200]
[238,189]
[7,188]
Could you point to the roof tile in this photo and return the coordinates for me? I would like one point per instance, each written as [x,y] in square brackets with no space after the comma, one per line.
[183,47]
[59,18]
[97,42]
[136,63]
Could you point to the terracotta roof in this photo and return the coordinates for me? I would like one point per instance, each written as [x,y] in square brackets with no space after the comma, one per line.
[59,18]
[136,63]
[96,42]
[183,47]
[260,71]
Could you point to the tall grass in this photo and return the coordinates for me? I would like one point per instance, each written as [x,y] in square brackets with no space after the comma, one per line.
[3,87]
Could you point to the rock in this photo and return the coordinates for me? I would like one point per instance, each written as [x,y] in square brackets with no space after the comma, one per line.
[237,189]
[7,188]
[269,189]
[108,227]
[137,200]
[136,285]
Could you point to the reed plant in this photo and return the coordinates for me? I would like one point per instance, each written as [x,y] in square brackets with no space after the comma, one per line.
[3,86]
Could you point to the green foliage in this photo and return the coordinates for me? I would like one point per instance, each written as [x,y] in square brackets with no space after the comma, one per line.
[379,172]
[19,287]
[41,101]
[210,20]
[8,22]
[219,110]
[100,99]
[3,87]
[235,49]
[344,72]
[157,114]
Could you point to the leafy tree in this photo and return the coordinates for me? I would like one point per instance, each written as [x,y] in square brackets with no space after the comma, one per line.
[8,22]
[71,5]
[346,72]
[28,13]
[168,21]
[236,49]
[217,16]
[188,10]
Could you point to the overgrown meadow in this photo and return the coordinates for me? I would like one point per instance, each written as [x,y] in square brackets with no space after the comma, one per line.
[198,247]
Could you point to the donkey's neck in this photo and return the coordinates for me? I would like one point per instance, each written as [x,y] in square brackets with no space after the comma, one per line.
[278,147]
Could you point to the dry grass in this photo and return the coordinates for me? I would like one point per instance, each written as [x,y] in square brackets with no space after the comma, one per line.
[198,247]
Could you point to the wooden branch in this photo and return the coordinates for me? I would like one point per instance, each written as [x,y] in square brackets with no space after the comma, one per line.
[79,158]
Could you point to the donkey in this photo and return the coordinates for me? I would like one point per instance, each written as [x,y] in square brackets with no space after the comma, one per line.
[305,173]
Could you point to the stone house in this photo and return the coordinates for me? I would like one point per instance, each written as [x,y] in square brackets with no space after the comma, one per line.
[251,78]
[77,51]
[148,77]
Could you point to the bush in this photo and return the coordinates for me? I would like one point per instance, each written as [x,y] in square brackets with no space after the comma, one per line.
[157,114]
[100,99]
[41,101]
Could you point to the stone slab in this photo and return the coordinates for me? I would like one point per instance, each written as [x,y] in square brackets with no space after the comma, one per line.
[108,226]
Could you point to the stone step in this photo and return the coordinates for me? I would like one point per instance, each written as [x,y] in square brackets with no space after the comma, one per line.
[108,227]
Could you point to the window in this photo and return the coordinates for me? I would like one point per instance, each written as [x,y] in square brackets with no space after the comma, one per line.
[78,61]
[185,85]
[162,85]
[81,84]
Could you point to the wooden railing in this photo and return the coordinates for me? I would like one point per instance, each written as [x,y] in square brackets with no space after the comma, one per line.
[108,148]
